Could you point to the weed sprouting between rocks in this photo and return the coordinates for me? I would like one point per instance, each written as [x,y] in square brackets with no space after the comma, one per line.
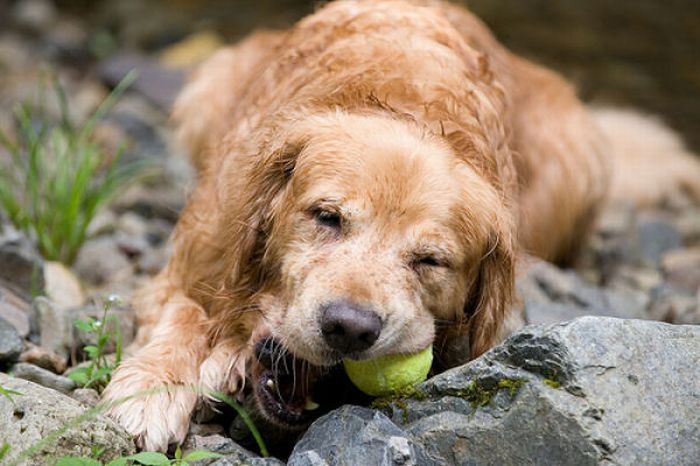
[54,178]
[98,372]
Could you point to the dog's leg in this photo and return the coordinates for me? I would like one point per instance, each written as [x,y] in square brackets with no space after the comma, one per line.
[224,369]
[153,393]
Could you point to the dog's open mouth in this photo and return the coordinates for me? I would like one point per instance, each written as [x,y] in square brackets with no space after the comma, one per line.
[291,392]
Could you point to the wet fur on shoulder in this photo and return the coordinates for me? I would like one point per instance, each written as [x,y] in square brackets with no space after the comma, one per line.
[439,157]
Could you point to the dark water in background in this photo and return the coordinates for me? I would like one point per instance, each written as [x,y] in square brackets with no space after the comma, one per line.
[642,53]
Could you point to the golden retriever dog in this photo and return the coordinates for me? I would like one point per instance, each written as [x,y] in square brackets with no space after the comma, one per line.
[367,181]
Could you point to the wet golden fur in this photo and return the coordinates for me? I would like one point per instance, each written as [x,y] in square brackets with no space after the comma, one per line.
[414,124]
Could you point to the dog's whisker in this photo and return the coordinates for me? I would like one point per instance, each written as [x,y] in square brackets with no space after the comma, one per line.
[294,376]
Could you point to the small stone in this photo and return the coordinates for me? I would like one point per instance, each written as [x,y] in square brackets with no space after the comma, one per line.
[682,268]
[234,454]
[11,344]
[54,333]
[641,278]
[215,443]
[44,358]
[615,220]
[688,225]
[154,260]
[205,429]
[62,287]
[152,203]
[553,295]
[100,261]
[656,236]
[674,306]
[158,84]
[133,246]
[356,435]
[132,224]
[22,266]
[86,396]
[35,14]
[15,310]
[15,53]
[104,223]
[43,377]
[551,313]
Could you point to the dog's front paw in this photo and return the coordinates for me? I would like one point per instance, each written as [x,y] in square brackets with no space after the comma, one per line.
[156,414]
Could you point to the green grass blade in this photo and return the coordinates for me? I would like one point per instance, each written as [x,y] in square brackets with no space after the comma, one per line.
[246,419]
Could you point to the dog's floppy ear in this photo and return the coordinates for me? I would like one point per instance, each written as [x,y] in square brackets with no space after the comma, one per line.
[491,296]
[252,208]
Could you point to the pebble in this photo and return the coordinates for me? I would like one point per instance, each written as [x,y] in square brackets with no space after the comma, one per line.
[656,236]
[11,344]
[35,14]
[212,442]
[54,334]
[682,268]
[155,82]
[62,286]
[43,377]
[675,307]
[44,358]
[154,260]
[688,225]
[100,261]
[86,396]
[16,311]
[21,265]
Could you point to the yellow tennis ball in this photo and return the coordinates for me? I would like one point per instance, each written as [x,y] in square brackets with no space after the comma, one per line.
[389,374]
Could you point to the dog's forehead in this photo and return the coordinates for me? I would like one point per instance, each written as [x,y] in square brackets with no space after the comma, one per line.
[379,164]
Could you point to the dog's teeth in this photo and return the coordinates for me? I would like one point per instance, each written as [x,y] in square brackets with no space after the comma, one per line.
[270,383]
[310,405]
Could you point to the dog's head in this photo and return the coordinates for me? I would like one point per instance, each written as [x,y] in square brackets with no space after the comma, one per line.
[365,235]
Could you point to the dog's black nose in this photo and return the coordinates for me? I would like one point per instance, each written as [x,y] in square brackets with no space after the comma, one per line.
[349,328]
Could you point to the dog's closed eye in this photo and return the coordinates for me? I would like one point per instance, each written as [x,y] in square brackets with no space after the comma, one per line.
[425,261]
[328,218]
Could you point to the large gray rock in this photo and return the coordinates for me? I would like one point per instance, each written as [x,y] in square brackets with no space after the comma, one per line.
[592,391]
[40,414]
[353,435]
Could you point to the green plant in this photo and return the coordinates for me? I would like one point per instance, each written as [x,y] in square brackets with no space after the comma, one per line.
[98,372]
[147,458]
[8,392]
[57,177]
[4,450]
[246,419]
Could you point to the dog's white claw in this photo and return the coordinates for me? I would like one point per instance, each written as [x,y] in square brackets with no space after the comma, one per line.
[310,405]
